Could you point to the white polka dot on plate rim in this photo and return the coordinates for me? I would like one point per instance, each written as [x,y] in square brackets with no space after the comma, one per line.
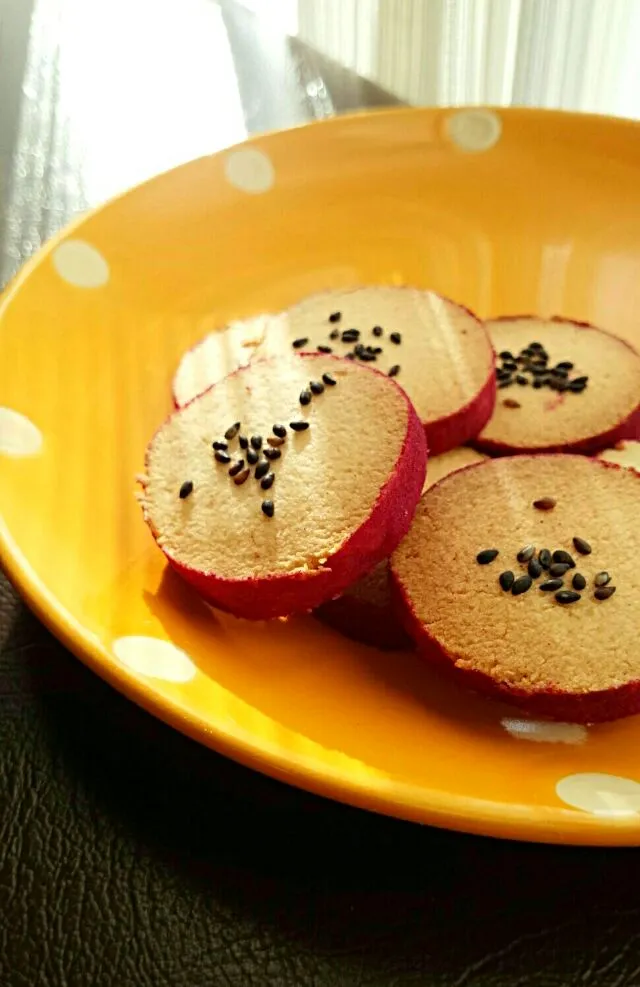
[545,731]
[474,130]
[249,170]
[80,264]
[154,658]
[18,435]
[601,794]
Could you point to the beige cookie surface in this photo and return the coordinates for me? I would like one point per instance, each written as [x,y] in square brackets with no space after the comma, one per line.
[532,646]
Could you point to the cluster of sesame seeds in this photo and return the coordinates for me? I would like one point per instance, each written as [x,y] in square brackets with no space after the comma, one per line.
[531,366]
[253,451]
[554,567]
[316,388]
[366,353]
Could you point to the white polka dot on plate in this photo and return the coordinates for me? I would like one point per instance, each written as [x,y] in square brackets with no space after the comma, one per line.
[474,130]
[80,264]
[153,657]
[601,794]
[18,435]
[250,170]
[545,732]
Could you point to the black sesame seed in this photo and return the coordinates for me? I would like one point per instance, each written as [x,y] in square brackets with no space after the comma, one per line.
[527,351]
[272,454]
[544,504]
[560,372]
[582,546]
[241,477]
[299,426]
[550,585]
[222,457]
[334,334]
[558,384]
[367,357]
[508,366]
[324,349]
[316,387]
[534,569]
[536,346]
[261,469]
[604,592]
[186,489]
[521,585]
[243,442]
[394,371]
[235,469]
[505,383]
[280,431]
[558,569]
[578,581]
[579,383]
[350,335]
[526,553]
[507,580]
[252,457]
[602,579]
[396,338]
[298,343]
[487,555]
[576,388]
[502,374]
[537,384]
[544,558]
[268,508]
[329,379]
[521,380]
[561,556]
[232,431]
[267,481]
[567,596]
[539,370]
[564,365]
[305,397]
[506,355]
[219,445]
[335,316]
[256,441]
[377,330]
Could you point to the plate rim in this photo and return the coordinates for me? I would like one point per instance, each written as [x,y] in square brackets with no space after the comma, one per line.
[387,796]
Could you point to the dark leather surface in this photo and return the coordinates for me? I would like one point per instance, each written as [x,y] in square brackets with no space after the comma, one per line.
[131,857]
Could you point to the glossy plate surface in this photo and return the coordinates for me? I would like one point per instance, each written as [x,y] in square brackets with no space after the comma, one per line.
[507,211]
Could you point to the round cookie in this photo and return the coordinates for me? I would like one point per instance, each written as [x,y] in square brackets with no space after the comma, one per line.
[624,453]
[566,650]
[365,611]
[284,483]
[437,351]
[563,386]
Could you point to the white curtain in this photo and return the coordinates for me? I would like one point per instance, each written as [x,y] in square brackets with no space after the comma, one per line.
[572,54]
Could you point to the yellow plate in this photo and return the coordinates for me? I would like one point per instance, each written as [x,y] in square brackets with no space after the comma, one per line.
[506,211]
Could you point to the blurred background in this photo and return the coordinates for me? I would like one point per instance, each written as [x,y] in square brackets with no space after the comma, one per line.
[96,96]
